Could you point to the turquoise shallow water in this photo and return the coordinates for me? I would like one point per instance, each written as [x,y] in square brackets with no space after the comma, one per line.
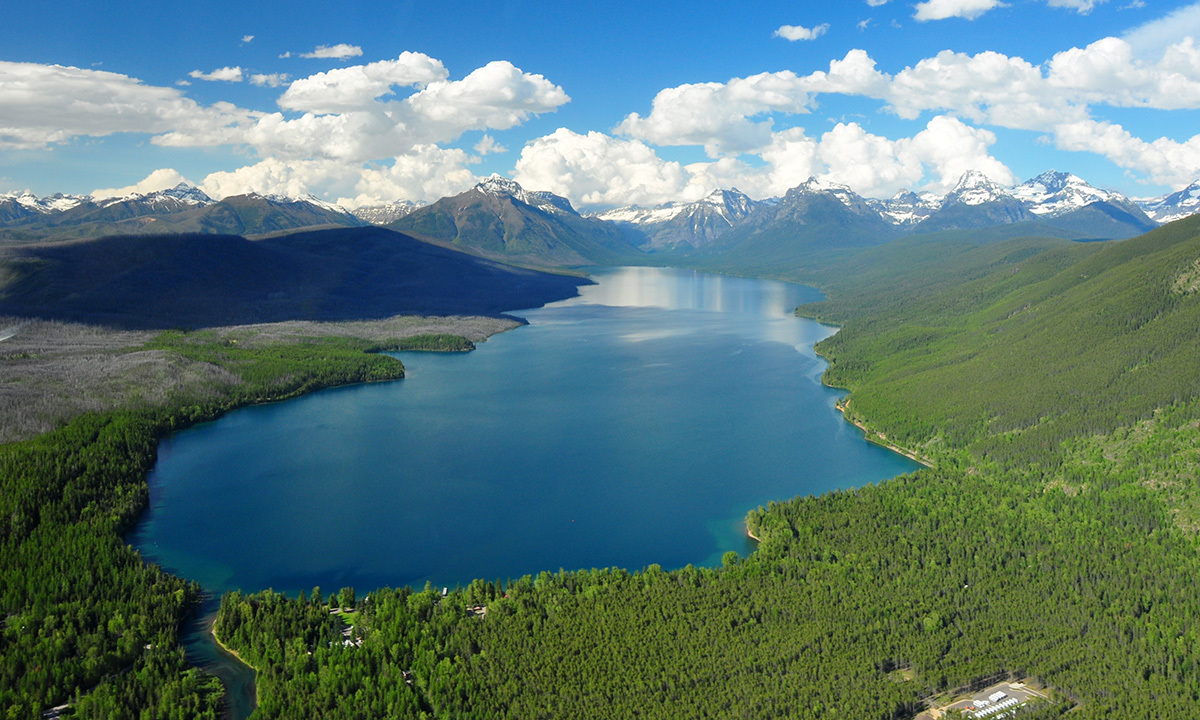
[635,424]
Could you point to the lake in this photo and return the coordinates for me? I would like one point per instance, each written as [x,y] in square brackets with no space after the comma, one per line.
[635,424]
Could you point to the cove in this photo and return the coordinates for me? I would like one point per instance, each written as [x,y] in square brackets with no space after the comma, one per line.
[634,424]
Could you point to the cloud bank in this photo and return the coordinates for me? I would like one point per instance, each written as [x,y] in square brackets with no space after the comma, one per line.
[384,130]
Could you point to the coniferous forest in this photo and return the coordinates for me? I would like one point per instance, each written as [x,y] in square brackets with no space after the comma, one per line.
[1052,386]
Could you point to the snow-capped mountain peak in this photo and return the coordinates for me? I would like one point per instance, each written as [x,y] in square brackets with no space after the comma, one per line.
[907,207]
[684,223]
[323,204]
[386,213]
[975,188]
[188,193]
[638,215]
[1054,193]
[500,186]
[1174,206]
[183,193]
[816,186]
[58,202]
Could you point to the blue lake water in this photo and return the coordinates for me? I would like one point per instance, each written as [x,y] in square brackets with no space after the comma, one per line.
[635,424]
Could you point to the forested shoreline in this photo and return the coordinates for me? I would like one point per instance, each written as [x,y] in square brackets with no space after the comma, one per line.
[87,622]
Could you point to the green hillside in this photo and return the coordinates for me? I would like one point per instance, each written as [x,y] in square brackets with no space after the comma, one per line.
[1031,347]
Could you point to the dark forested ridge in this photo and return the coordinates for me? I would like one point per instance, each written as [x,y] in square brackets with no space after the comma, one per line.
[210,280]
[1052,384]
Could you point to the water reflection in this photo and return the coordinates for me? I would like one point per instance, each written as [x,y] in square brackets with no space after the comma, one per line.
[673,289]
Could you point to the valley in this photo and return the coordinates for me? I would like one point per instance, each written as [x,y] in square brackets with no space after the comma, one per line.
[1051,384]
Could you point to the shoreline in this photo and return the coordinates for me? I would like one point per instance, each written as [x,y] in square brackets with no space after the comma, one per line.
[873,436]
[211,633]
[843,404]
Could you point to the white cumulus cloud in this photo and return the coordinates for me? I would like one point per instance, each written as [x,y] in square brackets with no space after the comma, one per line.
[1083,7]
[597,169]
[799,32]
[721,116]
[744,116]
[273,176]
[600,170]
[1164,161]
[487,145]
[877,166]
[943,9]
[341,51]
[45,104]
[350,114]
[225,74]
[270,79]
[357,87]
[425,174]
[496,96]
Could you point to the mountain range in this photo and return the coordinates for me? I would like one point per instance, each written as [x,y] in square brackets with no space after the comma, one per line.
[500,219]
[181,209]
[1065,203]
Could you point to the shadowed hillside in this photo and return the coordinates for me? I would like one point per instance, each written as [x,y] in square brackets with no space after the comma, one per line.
[208,280]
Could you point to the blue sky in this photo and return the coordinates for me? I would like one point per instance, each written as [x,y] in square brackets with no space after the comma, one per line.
[607,104]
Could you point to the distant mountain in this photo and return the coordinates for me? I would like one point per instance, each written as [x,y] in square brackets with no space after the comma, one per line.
[680,224]
[1056,193]
[500,219]
[906,207]
[182,209]
[179,199]
[254,214]
[975,202]
[1104,220]
[386,213]
[813,217]
[13,210]
[202,280]
[57,202]
[1174,206]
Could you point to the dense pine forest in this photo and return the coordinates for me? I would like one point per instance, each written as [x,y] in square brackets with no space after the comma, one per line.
[86,621]
[1052,385]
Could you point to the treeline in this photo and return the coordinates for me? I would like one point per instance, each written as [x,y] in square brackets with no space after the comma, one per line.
[86,621]
[1055,386]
